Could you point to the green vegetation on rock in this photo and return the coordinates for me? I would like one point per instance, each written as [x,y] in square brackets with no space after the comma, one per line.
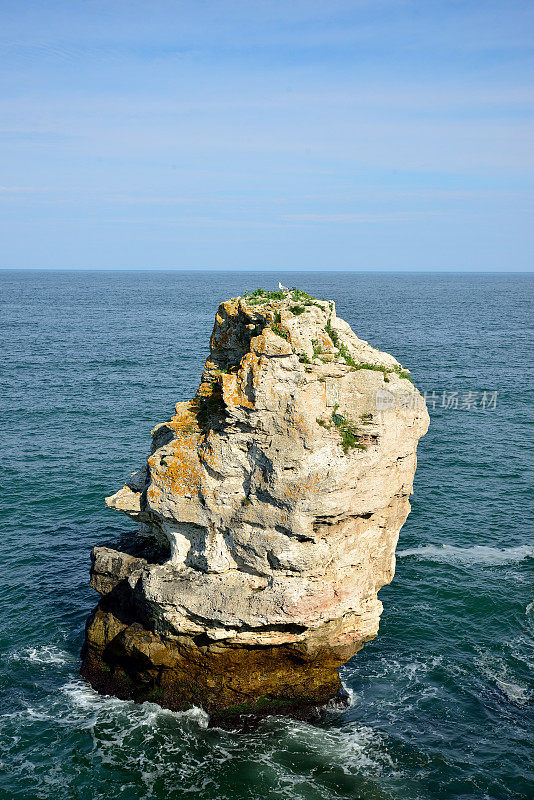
[344,353]
[317,349]
[280,331]
[346,429]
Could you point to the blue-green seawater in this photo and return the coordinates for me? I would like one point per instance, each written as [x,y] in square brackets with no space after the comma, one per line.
[442,700]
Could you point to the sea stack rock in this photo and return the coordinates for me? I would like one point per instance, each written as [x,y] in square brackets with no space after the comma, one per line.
[268,511]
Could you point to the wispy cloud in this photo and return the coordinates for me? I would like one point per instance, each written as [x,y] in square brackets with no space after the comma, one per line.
[8,192]
[363,218]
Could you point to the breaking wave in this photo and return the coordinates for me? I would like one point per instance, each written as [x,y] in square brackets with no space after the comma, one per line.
[45,654]
[479,554]
[507,675]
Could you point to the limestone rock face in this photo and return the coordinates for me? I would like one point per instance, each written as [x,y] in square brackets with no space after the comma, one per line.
[274,501]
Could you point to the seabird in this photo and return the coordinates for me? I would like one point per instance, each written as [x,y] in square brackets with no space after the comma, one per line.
[282,288]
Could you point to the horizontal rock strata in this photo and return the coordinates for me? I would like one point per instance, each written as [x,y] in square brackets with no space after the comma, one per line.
[271,506]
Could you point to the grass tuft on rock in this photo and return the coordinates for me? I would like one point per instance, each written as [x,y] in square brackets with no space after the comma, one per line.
[280,331]
[317,349]
[347,430]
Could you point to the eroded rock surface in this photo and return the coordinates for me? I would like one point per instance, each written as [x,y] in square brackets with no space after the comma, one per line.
[275,499]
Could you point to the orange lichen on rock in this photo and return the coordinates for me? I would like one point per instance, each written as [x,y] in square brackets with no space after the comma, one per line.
[233,391]
[178,468]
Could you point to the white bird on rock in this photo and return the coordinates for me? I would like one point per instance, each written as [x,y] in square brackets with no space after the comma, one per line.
[282,288]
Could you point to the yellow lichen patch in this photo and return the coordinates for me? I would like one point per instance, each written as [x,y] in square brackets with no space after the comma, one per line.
[284,516]
[207,388]
[179,408]
[180,470]
[269,343]
[176,466]
[250,364]
[324,341]
[291,491]
[315,481]
[185,422]
[224,329]
[233,394]
[300,424]
[231,306]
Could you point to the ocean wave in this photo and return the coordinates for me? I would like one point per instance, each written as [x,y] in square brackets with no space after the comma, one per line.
[157,750]
[520,695]
[84,698]
[352,750]
[499,672]
[478,554]
[45,654]
[416,681]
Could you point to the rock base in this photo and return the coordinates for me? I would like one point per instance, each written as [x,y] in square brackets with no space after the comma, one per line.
[124,659]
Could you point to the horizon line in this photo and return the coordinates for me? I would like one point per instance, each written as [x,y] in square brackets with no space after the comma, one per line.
[370,270]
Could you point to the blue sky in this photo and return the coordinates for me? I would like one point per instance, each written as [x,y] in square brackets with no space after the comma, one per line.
[372,134]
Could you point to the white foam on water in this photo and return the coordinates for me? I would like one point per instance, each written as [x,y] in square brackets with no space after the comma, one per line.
[530,607]
[352,696]
[499,673]
[45,654]
[411,678]
[165,749]
[410,671]
[352,748]
[515,693]
[336,706]
[478,554]
[291,756]
[153,742]
[84,697]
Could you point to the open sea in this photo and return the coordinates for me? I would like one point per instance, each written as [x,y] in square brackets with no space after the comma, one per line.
[442,701]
